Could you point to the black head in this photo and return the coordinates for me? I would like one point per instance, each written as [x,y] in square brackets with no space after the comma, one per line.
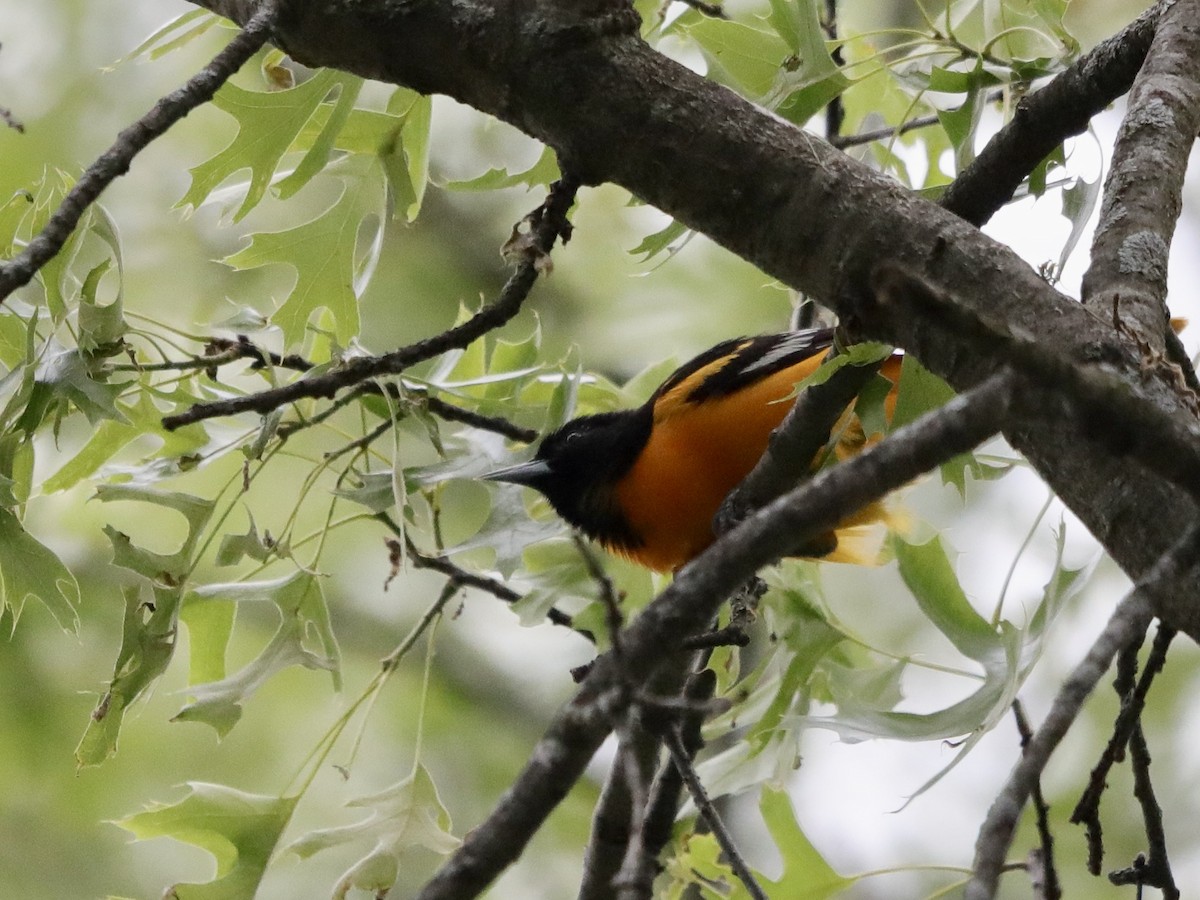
[578,466]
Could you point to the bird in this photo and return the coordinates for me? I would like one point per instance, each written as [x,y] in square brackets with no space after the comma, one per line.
[646,483]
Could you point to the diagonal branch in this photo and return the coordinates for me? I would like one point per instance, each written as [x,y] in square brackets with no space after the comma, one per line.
[688,605]
[1127,624]
[548,222]
[115,161]
[1143,193]
[1045,118]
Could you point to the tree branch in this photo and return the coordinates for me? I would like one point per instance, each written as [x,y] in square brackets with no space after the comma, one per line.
[547,223]
[689,603]
[115,161]
[579,78]
[1045,118]
[1127,624]
[1143,192]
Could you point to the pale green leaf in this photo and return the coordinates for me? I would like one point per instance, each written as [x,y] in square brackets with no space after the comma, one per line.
[407,816]
[166,569]
[806,874]
[240,830]
[175,34]
[322,252]
[317,155]
[147,645]
[542,172]
[28,568]
[267,124]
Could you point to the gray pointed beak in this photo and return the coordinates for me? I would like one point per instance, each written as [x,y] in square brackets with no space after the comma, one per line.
[528,473]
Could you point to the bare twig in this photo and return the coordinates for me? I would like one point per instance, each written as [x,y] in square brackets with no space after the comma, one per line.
[11,121]
[683,762]
[1127,624]
[466,578]
[547,223]
[115,161]
[1047,881]
[1155,870]
[842,141]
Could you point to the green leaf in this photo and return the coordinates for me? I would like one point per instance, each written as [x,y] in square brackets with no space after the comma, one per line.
[166,569]
[920,392]
[654,244]
[99,326]
[209,625]
[929,574]
[236,547]
[303,613]
[14,338]
[407,163]
[53,275]
[147,645]
[323,254]
[267,124]
[12,214]
[542,172]
[240,830]
[112,434]
[30,569]
[406,817]
[1078,203]
[696,869]
[317,157]
[806,874]
[219,703]
[175,34]
[740,55]
[64,380]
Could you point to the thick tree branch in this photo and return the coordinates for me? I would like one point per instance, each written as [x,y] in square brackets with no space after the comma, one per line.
[1143,194]
[115,161]
[578,77]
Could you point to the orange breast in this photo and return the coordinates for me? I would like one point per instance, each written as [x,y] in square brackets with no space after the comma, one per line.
[696,455]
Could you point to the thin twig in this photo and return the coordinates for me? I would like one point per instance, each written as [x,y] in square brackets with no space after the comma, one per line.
[683,762]
[1047,883]
[497,589]
[547,223]
[1127,624]
[1156,869]
[115,161]
[11,121]
[843,141]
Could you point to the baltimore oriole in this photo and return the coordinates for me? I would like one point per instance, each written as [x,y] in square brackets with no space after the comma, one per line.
[647,482]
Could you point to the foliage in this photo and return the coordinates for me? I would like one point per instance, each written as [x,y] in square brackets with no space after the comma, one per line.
[89,374]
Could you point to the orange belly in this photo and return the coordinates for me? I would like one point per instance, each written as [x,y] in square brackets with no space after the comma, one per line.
[694,458]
